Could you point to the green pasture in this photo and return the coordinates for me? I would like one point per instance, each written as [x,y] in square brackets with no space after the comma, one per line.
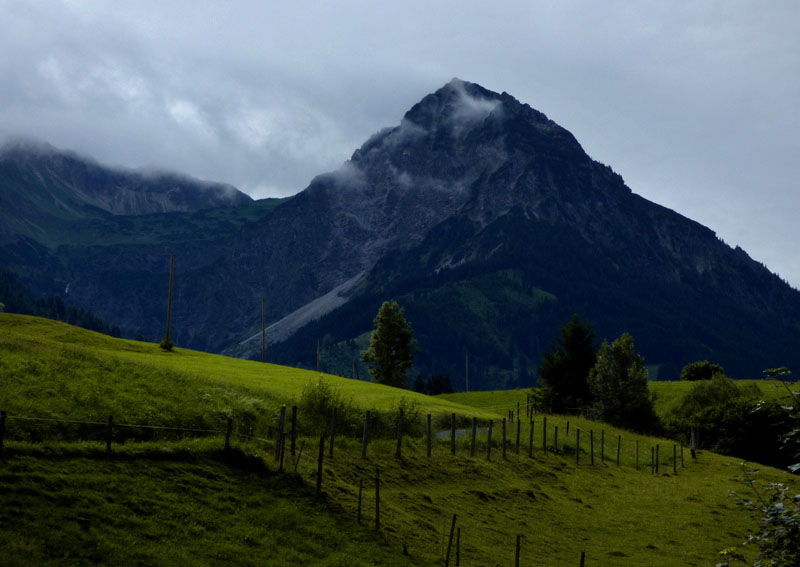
[55,370]
[167,501]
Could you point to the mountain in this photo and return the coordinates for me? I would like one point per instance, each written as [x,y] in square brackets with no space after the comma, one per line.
[532,231]
[487,222]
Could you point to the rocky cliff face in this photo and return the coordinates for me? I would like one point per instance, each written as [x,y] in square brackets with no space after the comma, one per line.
[485,219]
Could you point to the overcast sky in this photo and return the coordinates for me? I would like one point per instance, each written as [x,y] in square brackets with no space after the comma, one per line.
[694,103]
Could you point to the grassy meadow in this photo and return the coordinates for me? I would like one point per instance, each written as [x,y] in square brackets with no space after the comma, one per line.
[165,500]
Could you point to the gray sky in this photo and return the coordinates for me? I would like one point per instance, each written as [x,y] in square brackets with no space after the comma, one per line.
[694,103]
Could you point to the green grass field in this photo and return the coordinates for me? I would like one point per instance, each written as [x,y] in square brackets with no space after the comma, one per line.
[173,501]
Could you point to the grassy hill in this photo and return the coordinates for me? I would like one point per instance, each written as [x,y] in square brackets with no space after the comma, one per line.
[667,395]
[169,497]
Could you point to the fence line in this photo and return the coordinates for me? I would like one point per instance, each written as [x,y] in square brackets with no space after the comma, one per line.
[621,454]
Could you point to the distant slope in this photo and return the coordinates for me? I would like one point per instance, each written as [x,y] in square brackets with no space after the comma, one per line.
[16,298]
[38,179]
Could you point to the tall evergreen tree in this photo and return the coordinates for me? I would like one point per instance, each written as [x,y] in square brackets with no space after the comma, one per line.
[392,346]
[565,369]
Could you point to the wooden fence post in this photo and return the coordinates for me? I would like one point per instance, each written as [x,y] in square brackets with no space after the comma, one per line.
[108,435]
[282,452]
[319,463]
[516,553]
[544,435]
[453,434]
[450,541]
[657,457]
[619,443]
[577,445]
[516,445]
[294,430]
[637,454]
[683,464]
[567,433]
[674,459]
[377,500]
[365,438]
[333,433]
[489,442]
[228,432]
[281,420]
[591,446]
[429,433]
[458,546]
[555,437]
[474,433]
[530,441]
[399,451]
[652,460]
[583,558]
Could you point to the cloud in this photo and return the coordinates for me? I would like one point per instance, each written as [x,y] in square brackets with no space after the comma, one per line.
[470,109]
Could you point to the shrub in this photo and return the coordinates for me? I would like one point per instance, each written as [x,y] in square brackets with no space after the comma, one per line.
[701,370]
[732,420]
[317,402]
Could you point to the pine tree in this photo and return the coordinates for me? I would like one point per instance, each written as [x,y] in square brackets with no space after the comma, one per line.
[565,369]
[391,347]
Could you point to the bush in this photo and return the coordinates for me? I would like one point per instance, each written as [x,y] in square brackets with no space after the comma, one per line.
[383,424]
[732,420]
[317,402]
[701,370]
[319,398]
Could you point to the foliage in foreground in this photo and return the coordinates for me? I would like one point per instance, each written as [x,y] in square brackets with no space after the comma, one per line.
[777,507]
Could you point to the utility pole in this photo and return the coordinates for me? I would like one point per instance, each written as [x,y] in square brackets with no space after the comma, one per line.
[263,331]
[466,366]
[167,343]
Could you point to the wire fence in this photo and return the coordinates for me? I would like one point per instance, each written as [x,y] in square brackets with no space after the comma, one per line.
[508,441]
[490,439]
